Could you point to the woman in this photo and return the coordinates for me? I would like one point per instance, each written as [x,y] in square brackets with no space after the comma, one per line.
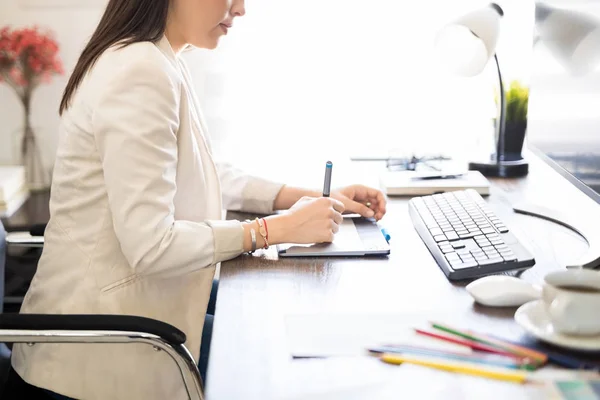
[136,222]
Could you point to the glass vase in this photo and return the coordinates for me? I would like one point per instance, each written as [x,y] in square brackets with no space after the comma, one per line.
[37,178]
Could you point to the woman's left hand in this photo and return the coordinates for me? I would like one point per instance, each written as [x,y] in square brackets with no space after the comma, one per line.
[363,200]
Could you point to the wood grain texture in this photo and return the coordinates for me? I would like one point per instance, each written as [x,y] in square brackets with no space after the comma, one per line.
[249,357]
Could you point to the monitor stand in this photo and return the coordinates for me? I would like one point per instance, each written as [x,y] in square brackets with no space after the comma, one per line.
[591,259]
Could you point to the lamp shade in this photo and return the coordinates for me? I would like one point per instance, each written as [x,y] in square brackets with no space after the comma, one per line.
[572,37]
[467,44]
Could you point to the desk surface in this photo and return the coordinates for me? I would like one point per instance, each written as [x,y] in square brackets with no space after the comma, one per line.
[249,358]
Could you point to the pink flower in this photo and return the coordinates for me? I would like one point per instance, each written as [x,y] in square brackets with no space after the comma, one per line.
[28,56]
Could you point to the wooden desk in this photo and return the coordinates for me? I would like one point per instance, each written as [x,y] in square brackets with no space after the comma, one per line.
[249,358]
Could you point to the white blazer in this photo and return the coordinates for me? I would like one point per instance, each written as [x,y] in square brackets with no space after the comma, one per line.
[136,224]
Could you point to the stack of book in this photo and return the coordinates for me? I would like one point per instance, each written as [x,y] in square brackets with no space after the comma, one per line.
[13,189]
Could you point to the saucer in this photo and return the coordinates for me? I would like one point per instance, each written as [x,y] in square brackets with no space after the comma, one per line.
[533,318]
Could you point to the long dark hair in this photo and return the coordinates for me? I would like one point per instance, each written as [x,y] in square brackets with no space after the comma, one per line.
[124,22]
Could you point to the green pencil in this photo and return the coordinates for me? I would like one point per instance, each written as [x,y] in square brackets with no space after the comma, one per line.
[537,357]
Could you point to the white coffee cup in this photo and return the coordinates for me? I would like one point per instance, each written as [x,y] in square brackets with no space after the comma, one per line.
[572,300]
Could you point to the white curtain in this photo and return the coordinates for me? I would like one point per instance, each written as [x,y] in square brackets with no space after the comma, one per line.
[297,82]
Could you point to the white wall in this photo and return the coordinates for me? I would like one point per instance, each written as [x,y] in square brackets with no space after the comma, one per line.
[72,25]
[307,78]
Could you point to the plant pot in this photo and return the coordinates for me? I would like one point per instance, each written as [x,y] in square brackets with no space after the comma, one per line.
[514,137]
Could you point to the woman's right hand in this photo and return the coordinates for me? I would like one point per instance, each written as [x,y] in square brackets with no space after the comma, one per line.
[310,220]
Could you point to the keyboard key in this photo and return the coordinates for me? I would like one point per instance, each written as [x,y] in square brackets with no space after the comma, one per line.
[463,252]
[510,257]
[481,257]
[488,230]
[436,231]
[502,228]
[447,250]
[500,247]
[439,238]
[458,244]
[470,264]
[492,235]
[448,229]
[452,235]
[466,235]
[484,248]
[480,237]
[491,261]
[467,258]
[497,242]
[452,257]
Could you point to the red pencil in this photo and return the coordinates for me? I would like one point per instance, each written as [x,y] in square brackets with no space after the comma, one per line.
[468,343]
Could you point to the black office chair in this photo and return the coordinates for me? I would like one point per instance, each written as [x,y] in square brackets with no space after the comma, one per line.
[33,328]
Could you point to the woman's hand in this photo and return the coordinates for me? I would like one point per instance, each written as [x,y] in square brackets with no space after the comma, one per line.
[310,220]
[363,200]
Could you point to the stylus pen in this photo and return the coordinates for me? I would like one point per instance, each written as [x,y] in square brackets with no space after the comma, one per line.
[327,184]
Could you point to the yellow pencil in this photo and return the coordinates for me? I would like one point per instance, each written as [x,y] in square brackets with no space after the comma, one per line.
[499,374]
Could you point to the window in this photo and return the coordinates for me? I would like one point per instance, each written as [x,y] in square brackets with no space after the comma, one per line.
[305,81]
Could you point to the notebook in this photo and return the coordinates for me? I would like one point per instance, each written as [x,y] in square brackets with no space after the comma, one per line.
[336,334]
[411,183]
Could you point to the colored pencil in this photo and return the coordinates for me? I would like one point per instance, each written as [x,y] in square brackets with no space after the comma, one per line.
[473,345]
[496,373]
[517,350]
[496,360]
[523,351]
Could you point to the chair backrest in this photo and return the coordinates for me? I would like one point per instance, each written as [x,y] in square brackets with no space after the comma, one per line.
[2,263]
[4,351]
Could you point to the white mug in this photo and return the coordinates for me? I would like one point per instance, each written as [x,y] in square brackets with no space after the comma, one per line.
[572,300]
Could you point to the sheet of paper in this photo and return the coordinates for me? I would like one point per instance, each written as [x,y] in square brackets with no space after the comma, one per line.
[325,335]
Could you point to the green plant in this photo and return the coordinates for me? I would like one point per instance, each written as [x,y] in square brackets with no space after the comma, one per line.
[517,100]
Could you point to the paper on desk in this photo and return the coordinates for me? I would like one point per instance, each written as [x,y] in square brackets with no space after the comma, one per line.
[326,335]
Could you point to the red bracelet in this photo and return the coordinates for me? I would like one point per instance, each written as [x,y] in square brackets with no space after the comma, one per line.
[266,228]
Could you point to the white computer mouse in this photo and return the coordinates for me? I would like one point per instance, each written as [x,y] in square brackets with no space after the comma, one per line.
[503,291]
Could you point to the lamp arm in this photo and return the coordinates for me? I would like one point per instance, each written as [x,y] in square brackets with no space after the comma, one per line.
[502,123]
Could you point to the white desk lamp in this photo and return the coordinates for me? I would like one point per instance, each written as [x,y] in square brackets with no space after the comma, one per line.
[466,45]
[572,37]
